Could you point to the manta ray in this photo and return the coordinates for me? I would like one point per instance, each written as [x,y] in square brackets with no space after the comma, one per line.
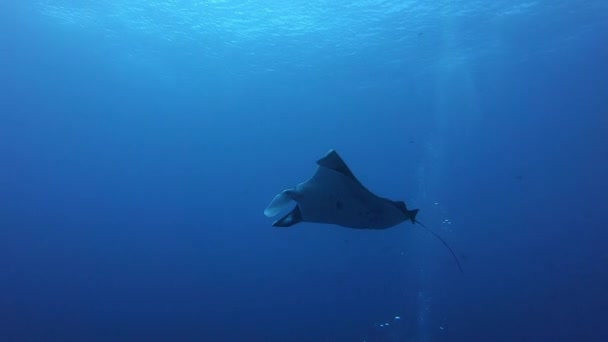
[333,195]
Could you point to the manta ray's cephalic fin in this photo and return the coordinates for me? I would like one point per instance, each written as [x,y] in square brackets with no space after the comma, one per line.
[280,202]
[294,216]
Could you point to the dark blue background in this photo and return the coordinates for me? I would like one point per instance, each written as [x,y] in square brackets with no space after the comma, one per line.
[134,172]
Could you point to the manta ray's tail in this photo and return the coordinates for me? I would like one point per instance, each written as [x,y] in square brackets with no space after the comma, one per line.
[413,218]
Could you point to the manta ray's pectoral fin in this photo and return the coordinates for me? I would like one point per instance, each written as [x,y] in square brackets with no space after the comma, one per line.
[333,161]
[294,216]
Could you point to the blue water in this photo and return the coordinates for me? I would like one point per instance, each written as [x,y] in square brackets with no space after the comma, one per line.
[141,140]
